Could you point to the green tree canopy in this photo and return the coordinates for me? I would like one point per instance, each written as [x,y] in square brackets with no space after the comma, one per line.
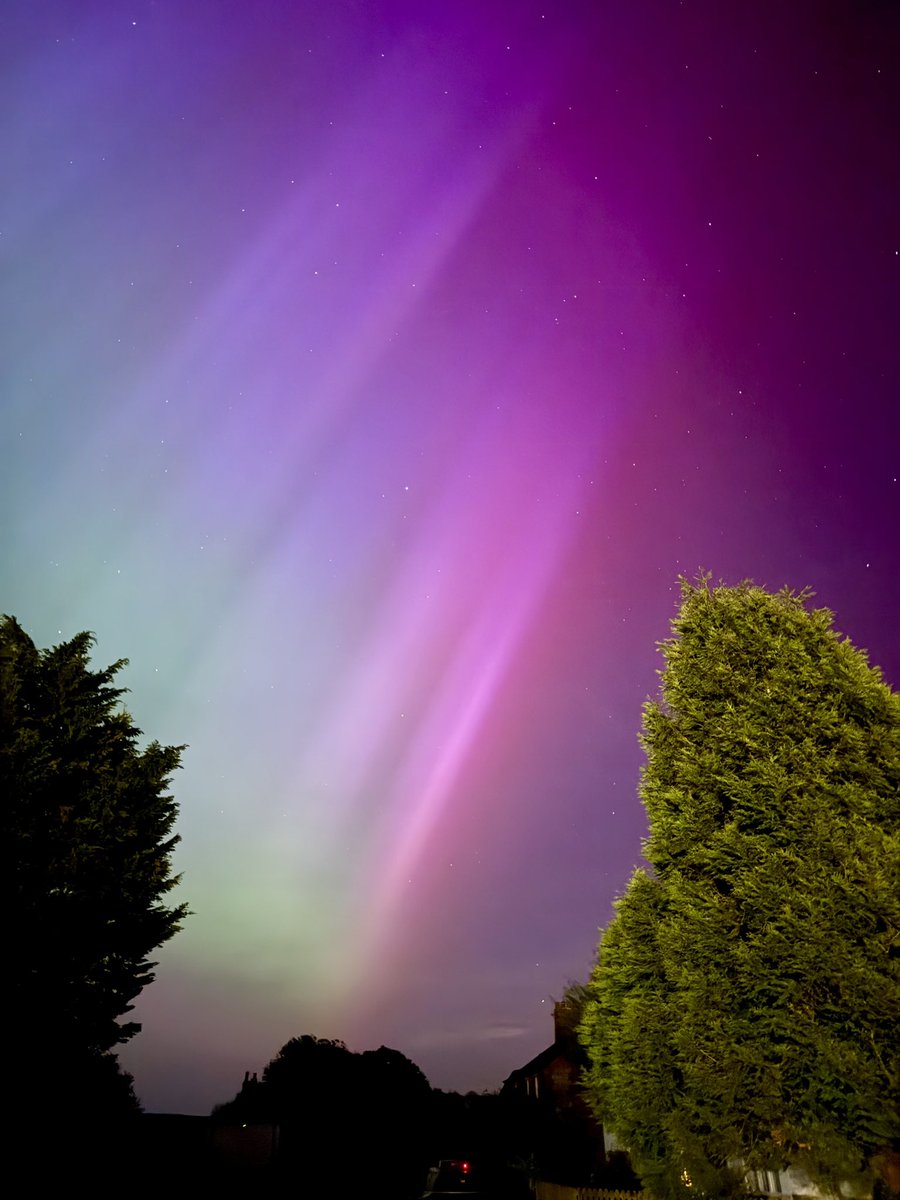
[88,822]
[745,1003]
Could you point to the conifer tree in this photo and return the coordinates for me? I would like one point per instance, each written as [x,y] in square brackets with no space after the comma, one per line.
[87,823]
[746,998]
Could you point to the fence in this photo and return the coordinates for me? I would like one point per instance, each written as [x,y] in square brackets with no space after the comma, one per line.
[560,1191]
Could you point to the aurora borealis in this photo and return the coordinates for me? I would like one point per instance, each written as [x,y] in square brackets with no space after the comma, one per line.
[370,372]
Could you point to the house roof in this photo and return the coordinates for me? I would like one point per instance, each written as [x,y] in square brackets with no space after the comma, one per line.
[536,1064]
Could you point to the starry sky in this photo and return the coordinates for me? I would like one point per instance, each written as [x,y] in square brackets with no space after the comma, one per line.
[371,370]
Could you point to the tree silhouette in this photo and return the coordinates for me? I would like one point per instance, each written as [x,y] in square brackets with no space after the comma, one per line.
[88,823]
[346,1121]
[370,1124]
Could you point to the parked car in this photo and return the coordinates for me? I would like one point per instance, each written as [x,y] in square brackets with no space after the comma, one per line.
[461,1177]
[454,1177]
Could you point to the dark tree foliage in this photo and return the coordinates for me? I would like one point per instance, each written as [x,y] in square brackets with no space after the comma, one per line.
[370,1124]
[88,823]
[345,1119]
[744,1006]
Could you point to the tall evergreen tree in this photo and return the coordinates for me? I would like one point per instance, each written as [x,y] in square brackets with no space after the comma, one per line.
[745,1003]
[88,825]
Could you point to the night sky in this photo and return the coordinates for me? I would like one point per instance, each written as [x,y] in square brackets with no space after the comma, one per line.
[370,373]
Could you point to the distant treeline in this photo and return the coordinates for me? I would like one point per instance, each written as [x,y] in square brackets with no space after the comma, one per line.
[371,1119]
